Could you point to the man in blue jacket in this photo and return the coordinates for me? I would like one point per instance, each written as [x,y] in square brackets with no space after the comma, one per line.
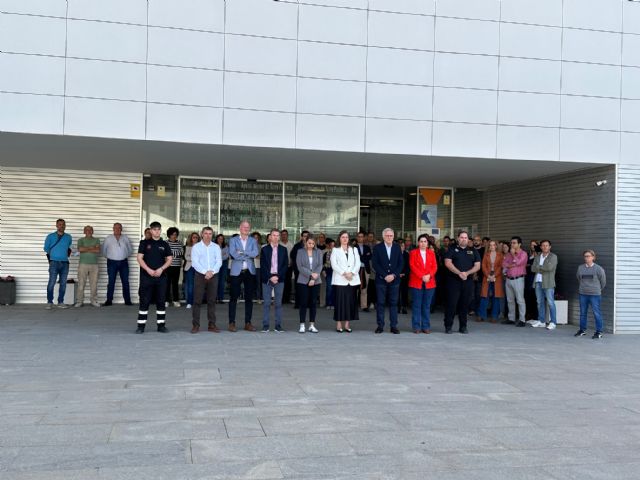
[242,250]
[57,245]
[274,264]
[387,263]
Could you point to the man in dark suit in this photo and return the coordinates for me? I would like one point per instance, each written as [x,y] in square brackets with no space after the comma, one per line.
[365,269]
[388,264]
[274,264]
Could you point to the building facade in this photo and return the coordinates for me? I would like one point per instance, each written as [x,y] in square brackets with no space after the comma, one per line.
[341,110]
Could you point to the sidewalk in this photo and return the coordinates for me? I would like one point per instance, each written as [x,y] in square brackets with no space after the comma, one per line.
[82,397]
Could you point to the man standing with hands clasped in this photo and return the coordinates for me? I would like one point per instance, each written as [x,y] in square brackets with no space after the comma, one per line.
[387,263]
[242,250]
[515,267]
[544,266]
[274,265]
[206,258]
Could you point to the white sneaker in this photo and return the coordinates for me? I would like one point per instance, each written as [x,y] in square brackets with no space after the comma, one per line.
[531,322]
[166,304]
[176,304]
[49,306]
[551,326]
[95,304]
[313,329]
[62,305]
[301,329]
[188,305]
[537,324]
[78,305]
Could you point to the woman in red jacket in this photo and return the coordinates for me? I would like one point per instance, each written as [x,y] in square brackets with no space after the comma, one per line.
[422,282]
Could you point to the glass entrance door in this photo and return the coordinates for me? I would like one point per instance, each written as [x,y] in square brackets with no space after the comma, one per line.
[377,214]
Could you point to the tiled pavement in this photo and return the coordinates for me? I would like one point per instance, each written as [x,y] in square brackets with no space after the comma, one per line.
[82,397]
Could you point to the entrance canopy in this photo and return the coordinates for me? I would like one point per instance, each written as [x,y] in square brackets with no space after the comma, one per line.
[144,156]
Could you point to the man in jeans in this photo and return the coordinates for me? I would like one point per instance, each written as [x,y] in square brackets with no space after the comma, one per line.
[89,248]
[117,249]
[57,246]
[544,267]
[515,269]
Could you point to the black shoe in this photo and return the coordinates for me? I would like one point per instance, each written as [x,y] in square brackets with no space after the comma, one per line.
[108,303]
[580,333]
[379,330]
[128,304]
[366,310]
[140,329]
[448,331]
[463,330]
[404,311]
[394,330]
[507,322]
[162,328]
[520,324]
[597,335]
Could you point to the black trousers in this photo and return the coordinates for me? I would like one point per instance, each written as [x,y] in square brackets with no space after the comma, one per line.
[248,281]
[203,287]
[459,294]
[152,288]
[308,298]
[173,277]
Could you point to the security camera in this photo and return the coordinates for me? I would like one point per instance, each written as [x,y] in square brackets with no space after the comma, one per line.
[600,183]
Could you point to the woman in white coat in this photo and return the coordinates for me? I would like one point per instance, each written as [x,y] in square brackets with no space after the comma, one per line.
[345,262]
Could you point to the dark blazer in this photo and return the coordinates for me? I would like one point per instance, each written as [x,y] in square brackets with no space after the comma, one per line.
[265,263]
[383,266]
[365,256]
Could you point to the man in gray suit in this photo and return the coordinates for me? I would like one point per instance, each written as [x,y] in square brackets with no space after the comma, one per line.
[242,250]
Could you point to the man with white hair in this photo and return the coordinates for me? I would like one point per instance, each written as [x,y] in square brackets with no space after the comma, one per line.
[387,264]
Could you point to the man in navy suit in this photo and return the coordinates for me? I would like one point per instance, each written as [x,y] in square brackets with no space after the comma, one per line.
[274,264]
[387,263]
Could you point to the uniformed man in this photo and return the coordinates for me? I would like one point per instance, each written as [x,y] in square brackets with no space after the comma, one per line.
[462,262]
[154,257]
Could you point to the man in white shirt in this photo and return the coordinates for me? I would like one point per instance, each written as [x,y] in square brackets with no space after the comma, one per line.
[206,259]
[544,266]
[117,249]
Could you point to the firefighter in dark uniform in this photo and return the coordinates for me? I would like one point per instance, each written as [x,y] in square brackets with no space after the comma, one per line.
[154,257]
[462,262]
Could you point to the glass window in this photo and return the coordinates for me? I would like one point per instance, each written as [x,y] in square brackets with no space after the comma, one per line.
[434,211]
[159,200]
[198,204]
[320,208]
[258,202]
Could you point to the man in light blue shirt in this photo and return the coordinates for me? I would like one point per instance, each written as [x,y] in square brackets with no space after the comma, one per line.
[206,259]
[57,246]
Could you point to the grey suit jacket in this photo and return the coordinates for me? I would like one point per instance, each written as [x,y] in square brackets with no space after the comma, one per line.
[302,261]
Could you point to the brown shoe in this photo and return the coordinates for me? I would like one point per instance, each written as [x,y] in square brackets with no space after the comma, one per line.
[213,329]
[493,320]
[416,331]
[195,329]
[426,331]
[249,328]
[232,327]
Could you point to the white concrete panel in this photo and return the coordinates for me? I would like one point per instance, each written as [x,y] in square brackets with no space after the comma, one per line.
[590,112]
[31,74]
[126,11]
[631,115]
[595,14]
[399,101]
[357,4]
[184,48]
[467,36]
[179,123]
[205,15]
[260,92]
[460,105]
[106,41]
[262,129]
[260,55]
[348,25]
[400,66]
[530,41]
[17,34]
[452,70]
[464,140]
[631,17]
[31,113]
[424,7]
[50,8]
[398,136]
[528,143]
[528,109]
[257,17]
[631,50]
[188,86]
[630,149]
[590,46]
[335,97]
[319,132]
[530,75]
[591,79]
[589,146]
[112,80]
[475,9]
[400,30]
[104,118]
[630,82]
[539,12]
[332,61]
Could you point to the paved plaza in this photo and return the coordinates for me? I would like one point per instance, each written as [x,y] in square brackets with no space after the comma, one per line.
[82,397]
